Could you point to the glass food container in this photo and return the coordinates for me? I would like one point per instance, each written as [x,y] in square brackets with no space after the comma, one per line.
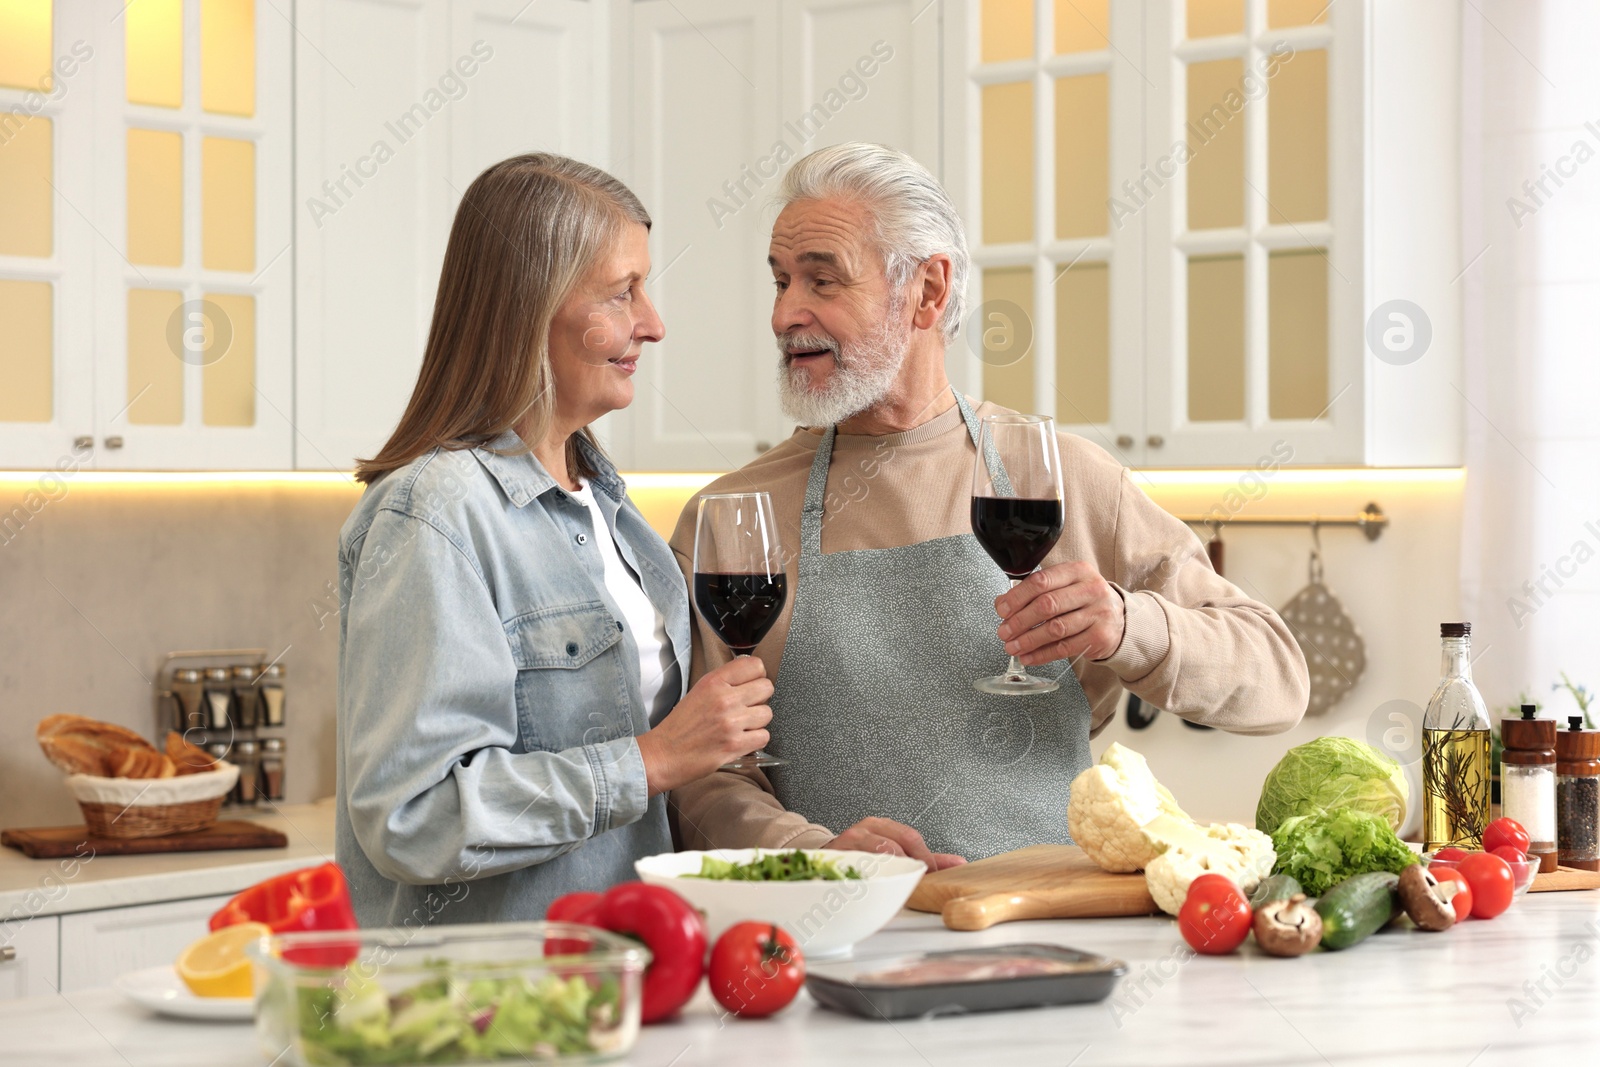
[533,992]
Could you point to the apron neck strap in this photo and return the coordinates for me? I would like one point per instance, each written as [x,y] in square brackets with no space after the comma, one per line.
[817,482]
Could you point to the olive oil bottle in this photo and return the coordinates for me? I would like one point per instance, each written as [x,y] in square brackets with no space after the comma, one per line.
[1455,751]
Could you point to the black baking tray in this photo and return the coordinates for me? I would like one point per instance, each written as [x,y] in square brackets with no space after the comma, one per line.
[851,986]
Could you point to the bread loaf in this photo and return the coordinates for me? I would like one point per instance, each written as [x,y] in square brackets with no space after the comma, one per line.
[79,745]
[189,759]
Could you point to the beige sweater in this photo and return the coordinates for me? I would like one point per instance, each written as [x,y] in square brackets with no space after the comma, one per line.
[1193,645]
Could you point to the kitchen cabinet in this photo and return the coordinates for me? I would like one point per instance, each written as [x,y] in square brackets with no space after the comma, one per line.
[399,105]
[144,173]
[29,961]
[1215,234]
[717,97]
[97,946]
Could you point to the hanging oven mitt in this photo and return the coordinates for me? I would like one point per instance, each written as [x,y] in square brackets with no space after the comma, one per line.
[1327,636]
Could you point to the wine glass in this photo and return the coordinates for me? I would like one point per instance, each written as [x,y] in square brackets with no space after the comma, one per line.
[739,581]
[1017,513]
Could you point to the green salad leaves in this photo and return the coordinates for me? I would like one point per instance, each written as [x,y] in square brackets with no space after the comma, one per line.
[795,866]
[456,1019]
[1328,774]
[1324,848]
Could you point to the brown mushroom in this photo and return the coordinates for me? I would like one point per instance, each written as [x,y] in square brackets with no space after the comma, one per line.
[1425,900]
[1287,927]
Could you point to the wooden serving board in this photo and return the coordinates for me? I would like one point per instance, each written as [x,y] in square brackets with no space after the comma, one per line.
[54,842]
[1564,878]
[1039,882]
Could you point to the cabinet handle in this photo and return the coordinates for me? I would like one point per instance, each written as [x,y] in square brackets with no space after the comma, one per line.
[82,443]
[114,441]
[1155,440]
[8,953]
[1124,440]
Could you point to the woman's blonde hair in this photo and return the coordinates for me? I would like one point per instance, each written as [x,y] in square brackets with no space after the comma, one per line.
[527,232]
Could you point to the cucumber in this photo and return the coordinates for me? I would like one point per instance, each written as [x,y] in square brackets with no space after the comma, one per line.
[1274,887]
[1357,907]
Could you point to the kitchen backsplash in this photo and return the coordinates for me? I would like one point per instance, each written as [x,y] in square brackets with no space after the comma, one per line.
[105,578]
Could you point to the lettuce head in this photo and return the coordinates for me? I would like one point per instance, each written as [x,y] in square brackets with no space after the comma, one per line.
[1324,848]
[1329,774]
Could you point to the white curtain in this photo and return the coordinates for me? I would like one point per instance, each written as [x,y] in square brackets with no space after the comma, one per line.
[1531,196]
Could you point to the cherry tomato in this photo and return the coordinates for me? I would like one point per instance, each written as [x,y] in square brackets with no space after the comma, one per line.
[1505,832]
[1215,917]
[756,969]
[1451,853]
[1511,854]
[1462,901]
[1492,883]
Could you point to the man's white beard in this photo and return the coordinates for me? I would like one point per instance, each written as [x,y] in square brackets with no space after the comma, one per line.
[863,374]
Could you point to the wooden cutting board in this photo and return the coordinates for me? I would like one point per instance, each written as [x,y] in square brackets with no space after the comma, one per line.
[54,842]
[1564,878]
[1039,882]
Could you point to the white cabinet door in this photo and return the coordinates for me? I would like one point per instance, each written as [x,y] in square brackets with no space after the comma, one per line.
[401,104]
[97,946]
[724,96]
[32,968]
[374,84]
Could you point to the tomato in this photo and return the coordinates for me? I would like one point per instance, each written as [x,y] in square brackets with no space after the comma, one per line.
[756,969]
[1492,883]
[1511,854]
[1462,901]
[1451,853]
[1215,917]
[1505,832]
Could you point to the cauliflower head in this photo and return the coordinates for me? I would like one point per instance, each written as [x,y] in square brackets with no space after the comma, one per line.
[1189,850]
[1111,804]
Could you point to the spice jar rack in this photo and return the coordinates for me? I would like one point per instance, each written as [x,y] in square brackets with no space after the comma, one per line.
[230,702]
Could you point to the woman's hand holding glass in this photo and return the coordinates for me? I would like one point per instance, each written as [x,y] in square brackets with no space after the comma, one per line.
[723,717]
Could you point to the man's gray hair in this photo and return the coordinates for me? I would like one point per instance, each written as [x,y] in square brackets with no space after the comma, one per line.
[913,217]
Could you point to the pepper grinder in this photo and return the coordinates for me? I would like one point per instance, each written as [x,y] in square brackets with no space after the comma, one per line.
[246,702]
[1578,795]
[1528,782]
[188,692]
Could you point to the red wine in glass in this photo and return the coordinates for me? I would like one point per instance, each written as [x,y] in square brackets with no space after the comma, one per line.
[1018,533]
[1017,515]
[739,579]
[740,608]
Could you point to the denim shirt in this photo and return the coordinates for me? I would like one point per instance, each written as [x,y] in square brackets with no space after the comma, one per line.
[489,693]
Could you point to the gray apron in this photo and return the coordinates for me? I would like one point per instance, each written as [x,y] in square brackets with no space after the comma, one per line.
[874,707]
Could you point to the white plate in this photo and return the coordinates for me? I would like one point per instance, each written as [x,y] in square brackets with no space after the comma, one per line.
[161,990]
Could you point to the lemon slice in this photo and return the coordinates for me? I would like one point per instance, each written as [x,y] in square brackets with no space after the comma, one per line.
[216,966]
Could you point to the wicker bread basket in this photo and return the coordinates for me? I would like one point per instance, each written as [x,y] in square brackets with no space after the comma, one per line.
[152,807]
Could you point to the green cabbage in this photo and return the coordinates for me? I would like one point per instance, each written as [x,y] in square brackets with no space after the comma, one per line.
[1328,774]
[1323,849]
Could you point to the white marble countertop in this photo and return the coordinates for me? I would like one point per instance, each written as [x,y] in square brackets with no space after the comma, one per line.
[53,887]
[1469,997]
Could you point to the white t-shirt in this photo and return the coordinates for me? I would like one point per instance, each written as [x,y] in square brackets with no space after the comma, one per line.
[657,663]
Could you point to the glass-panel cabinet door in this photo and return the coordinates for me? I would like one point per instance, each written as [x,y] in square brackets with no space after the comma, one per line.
[1253,236]
[194,354]
[1053,326]
[46,253]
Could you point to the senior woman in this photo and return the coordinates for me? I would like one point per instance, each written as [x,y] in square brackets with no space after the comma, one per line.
[514,638]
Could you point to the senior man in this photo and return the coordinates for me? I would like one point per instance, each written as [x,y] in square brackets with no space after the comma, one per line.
[894,608]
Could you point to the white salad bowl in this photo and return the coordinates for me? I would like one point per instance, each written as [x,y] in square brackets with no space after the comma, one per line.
[826,918]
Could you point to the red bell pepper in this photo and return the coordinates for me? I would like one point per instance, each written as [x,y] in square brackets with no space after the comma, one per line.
[314,898]
[673,931]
